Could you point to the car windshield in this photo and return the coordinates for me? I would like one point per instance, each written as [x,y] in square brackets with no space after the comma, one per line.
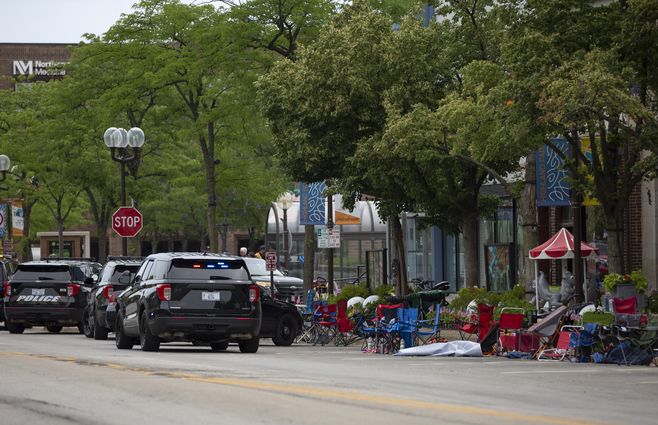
[211,269]
[257,267]
[42,272]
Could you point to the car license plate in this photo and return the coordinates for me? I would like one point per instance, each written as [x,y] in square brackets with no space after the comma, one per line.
[209,296]
[38,291]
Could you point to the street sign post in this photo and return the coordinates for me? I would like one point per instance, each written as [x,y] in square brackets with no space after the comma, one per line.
[270,266]
[127,222]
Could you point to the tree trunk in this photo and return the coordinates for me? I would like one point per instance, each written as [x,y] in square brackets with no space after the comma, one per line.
[469,231]
[528,213]
[27,242]
[154,245]
[615,229]
[212,204]
[309,257]
[60,237]
[401,256]
[102,244]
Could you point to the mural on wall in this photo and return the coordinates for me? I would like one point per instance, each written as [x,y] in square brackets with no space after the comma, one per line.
[498,266]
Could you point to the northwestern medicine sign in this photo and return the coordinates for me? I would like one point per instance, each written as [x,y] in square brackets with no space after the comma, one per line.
[37,67]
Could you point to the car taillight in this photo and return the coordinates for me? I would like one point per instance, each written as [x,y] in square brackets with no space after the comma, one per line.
[254,293]
[6,289]
[72,289]
[108,292]
[164,291]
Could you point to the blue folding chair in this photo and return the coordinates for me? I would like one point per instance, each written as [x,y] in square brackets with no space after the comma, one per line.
[407,327]
[428,331]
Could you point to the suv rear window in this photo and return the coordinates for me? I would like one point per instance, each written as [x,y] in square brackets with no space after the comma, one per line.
[208,269]
[119,269]
[42,272]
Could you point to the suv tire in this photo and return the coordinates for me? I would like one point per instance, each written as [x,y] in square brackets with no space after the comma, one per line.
[219,346]
[249,345]
[286,331]
[100,332]
[15,328]
[87,324]
[122,341]
[54,329]
[147,340]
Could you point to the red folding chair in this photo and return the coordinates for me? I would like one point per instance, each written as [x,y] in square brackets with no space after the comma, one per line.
[480,326]
[344,326]
[625,305]
[511,320]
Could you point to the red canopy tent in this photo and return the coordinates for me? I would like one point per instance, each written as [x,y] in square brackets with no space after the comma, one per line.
[559,247]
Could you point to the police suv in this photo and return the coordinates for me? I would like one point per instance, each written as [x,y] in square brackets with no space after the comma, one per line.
[51,293]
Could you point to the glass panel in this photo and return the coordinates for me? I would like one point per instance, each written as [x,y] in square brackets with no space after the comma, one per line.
[450,260]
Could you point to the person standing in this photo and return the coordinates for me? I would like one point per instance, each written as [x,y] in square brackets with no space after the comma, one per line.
[243,251]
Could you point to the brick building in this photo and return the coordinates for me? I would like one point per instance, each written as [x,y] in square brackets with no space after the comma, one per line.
[23,63]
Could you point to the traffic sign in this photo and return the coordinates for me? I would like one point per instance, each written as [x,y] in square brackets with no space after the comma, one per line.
[270,261]
[127,222]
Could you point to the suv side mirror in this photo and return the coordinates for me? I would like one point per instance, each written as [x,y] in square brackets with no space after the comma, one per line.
[124,279]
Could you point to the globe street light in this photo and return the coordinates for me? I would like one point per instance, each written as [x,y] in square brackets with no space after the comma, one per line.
[5,163]
[118,140]
[285,202]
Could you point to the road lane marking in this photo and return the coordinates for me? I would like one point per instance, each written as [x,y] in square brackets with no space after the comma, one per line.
[539,372]
[322,393]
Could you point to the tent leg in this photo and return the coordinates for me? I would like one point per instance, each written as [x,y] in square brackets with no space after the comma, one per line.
[537,286]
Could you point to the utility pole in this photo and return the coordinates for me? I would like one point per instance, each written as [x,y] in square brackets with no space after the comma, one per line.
[330,251]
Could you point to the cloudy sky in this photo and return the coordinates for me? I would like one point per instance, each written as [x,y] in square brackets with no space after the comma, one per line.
[58,21]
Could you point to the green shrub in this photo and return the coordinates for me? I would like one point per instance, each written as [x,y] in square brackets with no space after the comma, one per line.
[383,292]
[351,291]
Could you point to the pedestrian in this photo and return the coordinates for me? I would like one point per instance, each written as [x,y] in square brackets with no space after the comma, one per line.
[261,252]
[243,251]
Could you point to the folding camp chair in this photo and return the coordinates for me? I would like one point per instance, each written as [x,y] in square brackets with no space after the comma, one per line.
[547,329]
[428,331]
[480,326]
[565,345]
[408,327]
[511,319]
[310,324]
[388,328]
[344,326]
[326,324]
[625,305]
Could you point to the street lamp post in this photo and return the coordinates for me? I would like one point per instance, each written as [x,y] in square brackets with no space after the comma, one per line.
[285,202]
[118,140]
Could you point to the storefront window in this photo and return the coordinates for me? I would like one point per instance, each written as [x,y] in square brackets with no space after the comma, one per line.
[419,245]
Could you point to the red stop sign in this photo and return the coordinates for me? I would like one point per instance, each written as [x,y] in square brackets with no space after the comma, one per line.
[127,222]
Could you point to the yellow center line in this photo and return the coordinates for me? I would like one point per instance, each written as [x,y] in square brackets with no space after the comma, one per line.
[327,393]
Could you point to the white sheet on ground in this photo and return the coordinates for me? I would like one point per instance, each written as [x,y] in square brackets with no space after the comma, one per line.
[452,348]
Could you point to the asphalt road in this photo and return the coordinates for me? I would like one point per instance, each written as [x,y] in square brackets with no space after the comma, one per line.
[69,379]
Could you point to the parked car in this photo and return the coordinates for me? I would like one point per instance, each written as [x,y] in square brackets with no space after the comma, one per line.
[104,291]
[51,293]
[281,320]
[196,297]
[286,288]
[7,268]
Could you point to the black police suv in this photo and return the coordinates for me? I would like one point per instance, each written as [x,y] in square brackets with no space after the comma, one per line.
[197,297]
[7,267]
[51,293]
[104,293]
